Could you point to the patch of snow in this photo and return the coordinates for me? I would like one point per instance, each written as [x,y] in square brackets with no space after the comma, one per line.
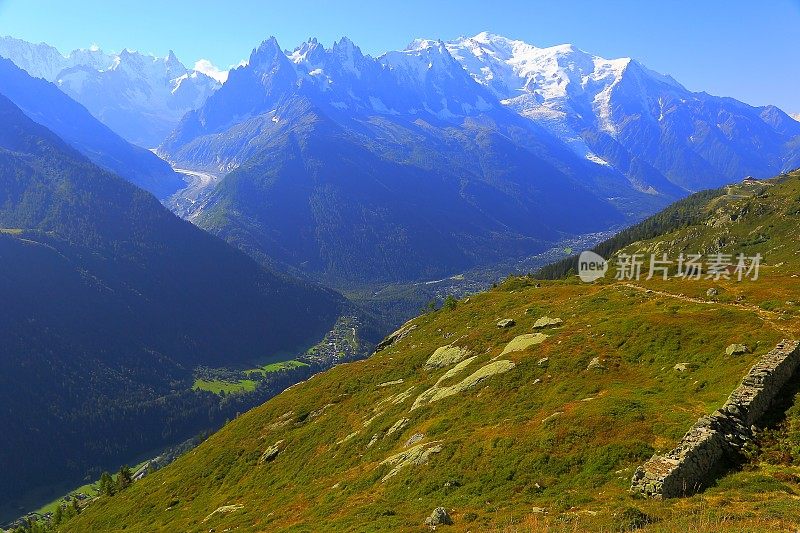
[212,71]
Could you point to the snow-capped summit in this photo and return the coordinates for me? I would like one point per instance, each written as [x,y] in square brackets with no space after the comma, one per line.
[439,82]
[422,80]
[44,61]
[617,112]
[310,52]
[140,96]
[511,69]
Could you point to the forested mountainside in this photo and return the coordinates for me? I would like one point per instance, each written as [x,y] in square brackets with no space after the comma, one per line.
[110,302]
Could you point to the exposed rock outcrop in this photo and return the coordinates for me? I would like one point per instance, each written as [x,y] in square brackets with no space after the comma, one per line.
[596,364]
[737,349]
[506,323]
[415,456]
[523,342]
[445,356]
[398,335]
[415,438]
[438,392]
[400,425]
[271,453]
[225,509]
[390,383]
[547,322]
[438,517]
[719,437]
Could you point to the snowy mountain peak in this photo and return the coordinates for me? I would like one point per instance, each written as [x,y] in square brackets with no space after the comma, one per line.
[44,61]
[266,53]
[424,55]
[511,68]
[346,47]
[139,96]
[418,45]
[310,51]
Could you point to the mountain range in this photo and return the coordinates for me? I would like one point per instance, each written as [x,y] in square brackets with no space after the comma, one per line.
[492,144]
[323,169]
[139,96]
[618,112]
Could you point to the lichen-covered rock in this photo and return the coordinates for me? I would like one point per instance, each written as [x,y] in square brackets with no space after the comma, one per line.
[390,383]
[398,335]
[225,509]
[438,517]
[403,396]
[426,395]
[596,364]
[477,377]
[712,292]
[737,349]
[418,455]
[445,356]
[270,453]
[415,438]
[400,425]
[506,323]
[438,392]
[547,322]
[523,342]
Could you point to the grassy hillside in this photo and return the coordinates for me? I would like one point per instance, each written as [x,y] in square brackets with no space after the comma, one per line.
[514,433]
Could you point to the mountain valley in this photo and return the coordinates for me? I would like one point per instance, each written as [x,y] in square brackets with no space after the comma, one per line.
[469,284]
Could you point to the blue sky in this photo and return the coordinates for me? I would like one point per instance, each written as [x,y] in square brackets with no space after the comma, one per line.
[746,49]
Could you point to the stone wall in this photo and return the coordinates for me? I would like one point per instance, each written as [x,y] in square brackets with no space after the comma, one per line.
[719,437]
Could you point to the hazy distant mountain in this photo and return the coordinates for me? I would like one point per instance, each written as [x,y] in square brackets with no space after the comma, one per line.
[46,104]
[44,61]
[636,120]
[354,169]
[139,96]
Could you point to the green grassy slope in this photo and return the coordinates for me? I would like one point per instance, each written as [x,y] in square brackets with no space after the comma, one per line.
[559,430]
